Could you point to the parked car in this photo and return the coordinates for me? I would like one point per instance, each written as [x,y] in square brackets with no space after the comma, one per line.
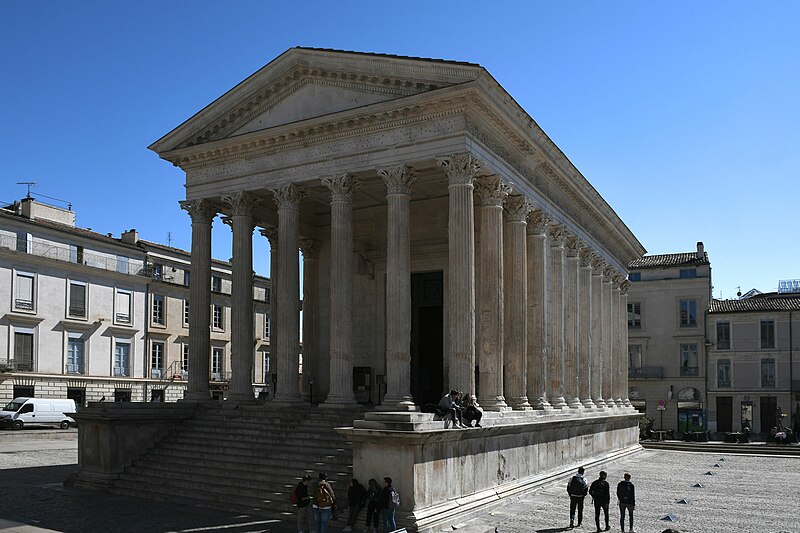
[34,411]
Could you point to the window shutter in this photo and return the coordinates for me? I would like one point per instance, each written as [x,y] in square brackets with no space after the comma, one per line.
[123,306]
[25,287]
[23,348]
[77,299]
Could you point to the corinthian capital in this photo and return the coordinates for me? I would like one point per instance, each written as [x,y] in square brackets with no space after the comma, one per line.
[241,203]
[598,265]
[271,233]
[461,169]
[310,248]
[572,245]
[537,222]
[398,179]
[623,287]
[289,196]
[557,234]
[342,187]
[586,256]
[200,210]
[491,191]
[608,273]
[516,208]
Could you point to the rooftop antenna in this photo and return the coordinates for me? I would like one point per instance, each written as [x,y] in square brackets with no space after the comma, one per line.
[739,291]
[169,239]
[29,184]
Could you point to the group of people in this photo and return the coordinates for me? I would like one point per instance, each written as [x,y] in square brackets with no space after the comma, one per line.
[578,488]
[460,410]
[316,509]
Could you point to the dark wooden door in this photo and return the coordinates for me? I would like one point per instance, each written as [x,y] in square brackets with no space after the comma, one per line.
[724,413]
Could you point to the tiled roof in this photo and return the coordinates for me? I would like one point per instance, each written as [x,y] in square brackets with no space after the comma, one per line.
[771,301]
[668,260]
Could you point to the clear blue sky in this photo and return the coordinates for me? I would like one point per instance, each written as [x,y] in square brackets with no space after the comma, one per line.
[683,115]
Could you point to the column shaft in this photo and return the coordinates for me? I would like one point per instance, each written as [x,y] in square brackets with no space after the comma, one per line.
[202,212]
[341,290]
[516,303]
[571,324]
[608,340]
[311,359]
[585,341]
[597,332]
[537,350]
[287,330]
[557,348]
[623,324]
[272,236]
[398,182]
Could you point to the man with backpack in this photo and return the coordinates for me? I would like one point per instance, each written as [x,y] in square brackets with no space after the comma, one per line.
[577,488]
[627,500]
[300,497]
[323,504]
[390,501]
[601,495]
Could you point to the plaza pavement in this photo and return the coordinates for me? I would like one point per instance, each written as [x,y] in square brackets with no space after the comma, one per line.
[759,494]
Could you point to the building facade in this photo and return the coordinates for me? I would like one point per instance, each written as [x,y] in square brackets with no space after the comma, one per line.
[753,367]
[88,316]
[667,303]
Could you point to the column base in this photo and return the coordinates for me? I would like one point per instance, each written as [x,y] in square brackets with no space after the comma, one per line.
[588,403]
[239,398]
[196,396]
[397,403]
[620,403]
[521,404]
[339,402]
[287,398]
[575,403]
[541,404]
[599,403]
[559,403]
[496,404]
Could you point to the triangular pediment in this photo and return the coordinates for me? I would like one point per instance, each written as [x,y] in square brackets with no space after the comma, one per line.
[305,83]
[310,100]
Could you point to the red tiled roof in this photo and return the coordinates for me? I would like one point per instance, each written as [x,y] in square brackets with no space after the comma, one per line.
[771,301]
[668,260]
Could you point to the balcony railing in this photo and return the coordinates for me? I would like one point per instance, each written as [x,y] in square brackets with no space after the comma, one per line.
[12,365]
[62,252]
[646,372]
[77,311]
[123,318]
[768,383]
[75,369]
[121,371]
[724,383]
[156,373]
[690,371]
[23,304]
[220,376]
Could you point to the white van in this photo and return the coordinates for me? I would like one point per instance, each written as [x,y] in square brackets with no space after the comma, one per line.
[23,411]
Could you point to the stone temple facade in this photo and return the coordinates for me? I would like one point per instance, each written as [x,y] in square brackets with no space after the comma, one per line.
[447,242]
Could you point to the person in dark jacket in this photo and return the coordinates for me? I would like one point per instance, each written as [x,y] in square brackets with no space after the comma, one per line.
[577,489]
[305,515]
[374,494]
[356,498]
[387,510]
[627,500]
[601,495]
[471,411]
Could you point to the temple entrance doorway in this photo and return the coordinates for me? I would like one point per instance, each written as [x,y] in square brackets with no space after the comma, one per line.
[427,337]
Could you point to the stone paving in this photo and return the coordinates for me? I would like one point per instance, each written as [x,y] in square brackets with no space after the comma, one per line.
[758,494]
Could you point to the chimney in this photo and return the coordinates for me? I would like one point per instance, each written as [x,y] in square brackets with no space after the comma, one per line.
[130,237]
[701,254]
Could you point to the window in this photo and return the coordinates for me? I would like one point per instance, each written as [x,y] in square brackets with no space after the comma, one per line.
[122,310]
[186,278]
[723,335]
[768,334]
[723,373]
[122,395]
[186,313]
[158,271]
[185,358]
[75,355]
[122,264]
[689,360]
[635,315]
[266,367]
[635,276]
[688,313]
[266,327]
[23,350]
[76,254]
[216,317]
[77,299]
[768,372]
[267,292]
[688,273]
[216,364]
[634,357]
[122,354]
[216,284]
[156,360]
[24,242]
[25,291]
[158,310]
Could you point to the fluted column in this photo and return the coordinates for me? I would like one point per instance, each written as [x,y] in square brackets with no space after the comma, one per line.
[491,193]
[398,182]
[585,340]
[272,236]
[461,171]
[623,328]
[615,339]
[311,356]
[597,332]
[341,290]
[287,329]
[571,323]
[608,338]
[242,334]
[557,349]
[515,287]
[537,349]
[202,213]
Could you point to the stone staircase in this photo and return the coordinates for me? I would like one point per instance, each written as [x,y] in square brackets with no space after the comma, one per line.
[245,460]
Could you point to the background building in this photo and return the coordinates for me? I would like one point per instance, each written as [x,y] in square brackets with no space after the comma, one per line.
[88,316]
[667,300]
[752,363]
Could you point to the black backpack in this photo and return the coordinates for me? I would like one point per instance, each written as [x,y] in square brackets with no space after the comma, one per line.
[575,487]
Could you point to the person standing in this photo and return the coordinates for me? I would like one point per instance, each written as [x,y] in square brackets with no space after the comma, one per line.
[627,500]
[577,489]
[387,507]
[356,498]
[324,500]
[305,516]
[601,496]
[373,506]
